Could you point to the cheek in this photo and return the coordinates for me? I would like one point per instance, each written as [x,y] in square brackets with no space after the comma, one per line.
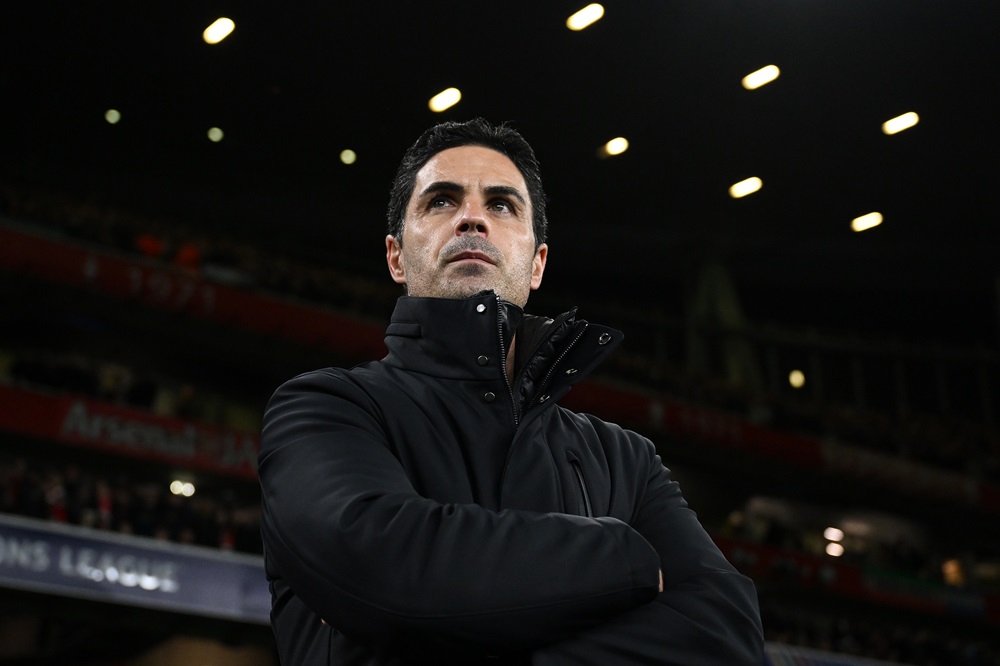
[423,236]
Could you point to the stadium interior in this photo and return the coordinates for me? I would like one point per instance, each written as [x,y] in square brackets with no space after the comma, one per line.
[186,225]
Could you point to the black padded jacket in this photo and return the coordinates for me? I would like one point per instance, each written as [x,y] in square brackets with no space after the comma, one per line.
[427,509]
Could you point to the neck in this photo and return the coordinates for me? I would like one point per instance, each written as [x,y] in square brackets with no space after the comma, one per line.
[510,359]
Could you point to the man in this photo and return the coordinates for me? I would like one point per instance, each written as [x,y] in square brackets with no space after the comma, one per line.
[438,506]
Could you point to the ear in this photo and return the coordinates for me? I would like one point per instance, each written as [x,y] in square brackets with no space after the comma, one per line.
[394,258]
[538,265]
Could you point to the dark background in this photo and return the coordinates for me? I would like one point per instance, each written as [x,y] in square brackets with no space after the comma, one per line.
[297,83]
[632,239]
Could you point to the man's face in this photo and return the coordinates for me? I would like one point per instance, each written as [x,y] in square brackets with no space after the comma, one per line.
[467,229]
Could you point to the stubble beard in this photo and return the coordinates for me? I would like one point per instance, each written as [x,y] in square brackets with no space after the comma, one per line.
[470,278]
[467,279]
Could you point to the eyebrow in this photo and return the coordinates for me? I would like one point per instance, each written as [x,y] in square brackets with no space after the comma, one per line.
[448,186]
[505,190]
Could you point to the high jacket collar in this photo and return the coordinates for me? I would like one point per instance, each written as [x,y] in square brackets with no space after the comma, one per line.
[469,339]
[446,337]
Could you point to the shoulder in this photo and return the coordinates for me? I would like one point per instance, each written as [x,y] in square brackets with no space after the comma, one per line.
[328,381]
[320,400]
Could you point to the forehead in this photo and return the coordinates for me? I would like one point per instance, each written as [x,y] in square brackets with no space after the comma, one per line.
[473,167]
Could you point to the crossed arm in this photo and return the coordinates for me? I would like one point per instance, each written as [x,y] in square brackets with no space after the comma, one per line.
[349,534]
[706,612]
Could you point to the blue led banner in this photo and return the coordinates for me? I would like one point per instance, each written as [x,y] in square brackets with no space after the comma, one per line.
[78,562]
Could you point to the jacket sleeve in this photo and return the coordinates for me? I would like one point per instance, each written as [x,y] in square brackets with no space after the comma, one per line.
[345,530]
[707,612]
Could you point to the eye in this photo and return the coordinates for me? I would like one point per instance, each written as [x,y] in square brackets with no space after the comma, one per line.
[502,206]
[438,202]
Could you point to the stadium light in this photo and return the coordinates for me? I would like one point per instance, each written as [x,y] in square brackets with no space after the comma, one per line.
[745,187]
[797,379]
[761,77]
[866,222]
[900,123]
[616,146]
[586,17]
[219,30]
[445,99]
[185,488]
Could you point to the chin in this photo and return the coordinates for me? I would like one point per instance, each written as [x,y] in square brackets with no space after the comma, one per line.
[468,289]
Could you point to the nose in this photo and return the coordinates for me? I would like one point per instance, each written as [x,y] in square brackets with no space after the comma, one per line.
[473,219]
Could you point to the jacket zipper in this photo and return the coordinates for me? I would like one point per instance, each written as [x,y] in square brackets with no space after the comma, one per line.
[583,488]
[555,364]
[503,366]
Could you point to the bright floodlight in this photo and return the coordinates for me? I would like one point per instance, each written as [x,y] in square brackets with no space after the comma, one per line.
[445,99]
[866,221]
[215,135]
[616,146]
[348,156]
[833,534]
[589,15]
[112,116]
[187,489]
[176,487]
[218,31]
[900,123]
[834,549]
[761,77]
[745,187]
[797,379]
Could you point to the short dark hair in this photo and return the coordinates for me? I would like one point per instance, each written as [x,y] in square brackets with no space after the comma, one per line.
[476,132]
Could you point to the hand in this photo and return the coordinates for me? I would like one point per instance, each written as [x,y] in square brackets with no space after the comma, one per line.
[661,580]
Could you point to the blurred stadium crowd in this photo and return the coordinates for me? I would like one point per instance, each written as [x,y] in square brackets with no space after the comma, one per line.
[945,440]
[109,492]
[75,495]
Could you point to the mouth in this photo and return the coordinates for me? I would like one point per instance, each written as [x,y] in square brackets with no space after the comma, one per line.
[471,256]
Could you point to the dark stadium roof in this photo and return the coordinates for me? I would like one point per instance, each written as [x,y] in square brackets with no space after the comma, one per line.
[298,82]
